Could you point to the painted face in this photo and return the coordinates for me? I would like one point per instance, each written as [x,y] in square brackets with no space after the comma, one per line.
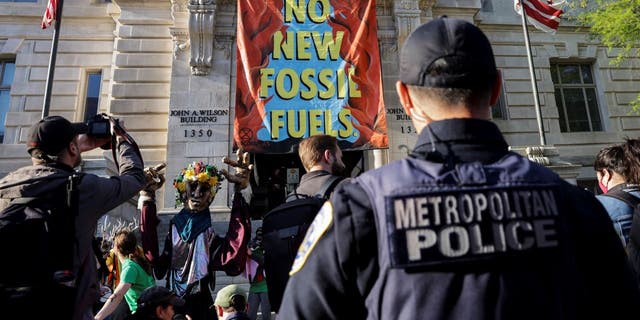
[199,195]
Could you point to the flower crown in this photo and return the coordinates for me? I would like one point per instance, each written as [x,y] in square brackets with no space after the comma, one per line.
[200,172]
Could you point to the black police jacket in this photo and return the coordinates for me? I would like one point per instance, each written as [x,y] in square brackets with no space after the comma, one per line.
[463,229]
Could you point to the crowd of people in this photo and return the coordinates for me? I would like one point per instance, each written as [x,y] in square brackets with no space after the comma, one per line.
[461,229]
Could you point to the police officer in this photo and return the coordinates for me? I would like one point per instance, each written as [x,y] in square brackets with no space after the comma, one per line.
[463,228]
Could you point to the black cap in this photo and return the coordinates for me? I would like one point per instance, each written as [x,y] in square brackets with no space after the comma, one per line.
[463,46]
[154,296]
[52,134]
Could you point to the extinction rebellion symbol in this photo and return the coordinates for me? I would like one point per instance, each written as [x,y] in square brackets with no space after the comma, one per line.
[245,135]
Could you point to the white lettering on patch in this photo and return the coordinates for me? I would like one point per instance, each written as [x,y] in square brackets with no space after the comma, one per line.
[444,226]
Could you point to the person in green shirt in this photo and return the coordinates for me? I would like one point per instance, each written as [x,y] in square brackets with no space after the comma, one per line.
[135,275]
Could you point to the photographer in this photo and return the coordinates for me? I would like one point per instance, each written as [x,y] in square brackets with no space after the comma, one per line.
[55,146]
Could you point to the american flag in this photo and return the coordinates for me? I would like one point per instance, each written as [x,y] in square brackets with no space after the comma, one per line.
[49,14]
[544,15]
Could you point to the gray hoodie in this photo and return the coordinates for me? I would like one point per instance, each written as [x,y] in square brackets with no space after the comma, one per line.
[97,195]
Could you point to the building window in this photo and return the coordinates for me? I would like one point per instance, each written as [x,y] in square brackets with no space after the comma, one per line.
[7,68]
[499,110]
[576,97]
[92,96]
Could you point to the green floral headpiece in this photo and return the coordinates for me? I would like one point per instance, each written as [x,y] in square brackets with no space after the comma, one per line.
[200,172]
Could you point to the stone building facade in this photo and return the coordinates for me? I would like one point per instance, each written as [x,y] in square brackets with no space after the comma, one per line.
[143,62]
[151,64]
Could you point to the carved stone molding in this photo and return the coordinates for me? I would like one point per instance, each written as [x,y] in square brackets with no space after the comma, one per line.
[178,7]
[409,5]
[427,4]
[181,42]
[406,14]
[549,157]
[388,44]
[224,44]
[226,33]
[383,8]
[201,30]
[538,155]
[544,155]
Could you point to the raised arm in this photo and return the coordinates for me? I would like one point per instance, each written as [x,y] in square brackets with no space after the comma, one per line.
[231,253]
[103,194]
[148,212]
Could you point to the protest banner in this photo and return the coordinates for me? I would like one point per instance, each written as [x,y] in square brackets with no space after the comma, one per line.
[308,67]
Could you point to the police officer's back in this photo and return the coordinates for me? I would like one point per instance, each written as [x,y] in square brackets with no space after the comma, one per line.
[462,229]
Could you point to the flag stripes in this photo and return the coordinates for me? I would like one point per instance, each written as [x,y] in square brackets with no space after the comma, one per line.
[545,15]
[49,14]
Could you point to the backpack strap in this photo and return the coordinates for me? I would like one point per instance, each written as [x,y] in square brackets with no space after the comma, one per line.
[23,200]
[624,196]
[67,277]
[324,192]
[72,191]
[71,188]
[328,186]
[295,196]
[33,180]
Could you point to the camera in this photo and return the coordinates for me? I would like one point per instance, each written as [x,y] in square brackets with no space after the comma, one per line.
[99,126]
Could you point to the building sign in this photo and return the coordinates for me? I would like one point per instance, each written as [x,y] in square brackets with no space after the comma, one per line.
[401,119]
[198,123]
[198,116]
[308,67]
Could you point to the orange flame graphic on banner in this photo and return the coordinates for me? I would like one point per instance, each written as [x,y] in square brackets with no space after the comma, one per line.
[258,21]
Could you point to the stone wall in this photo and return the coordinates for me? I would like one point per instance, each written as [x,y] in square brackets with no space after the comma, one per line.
[144,51]
[86,46]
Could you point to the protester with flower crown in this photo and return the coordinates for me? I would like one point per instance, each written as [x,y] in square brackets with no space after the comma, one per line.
[192,250]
